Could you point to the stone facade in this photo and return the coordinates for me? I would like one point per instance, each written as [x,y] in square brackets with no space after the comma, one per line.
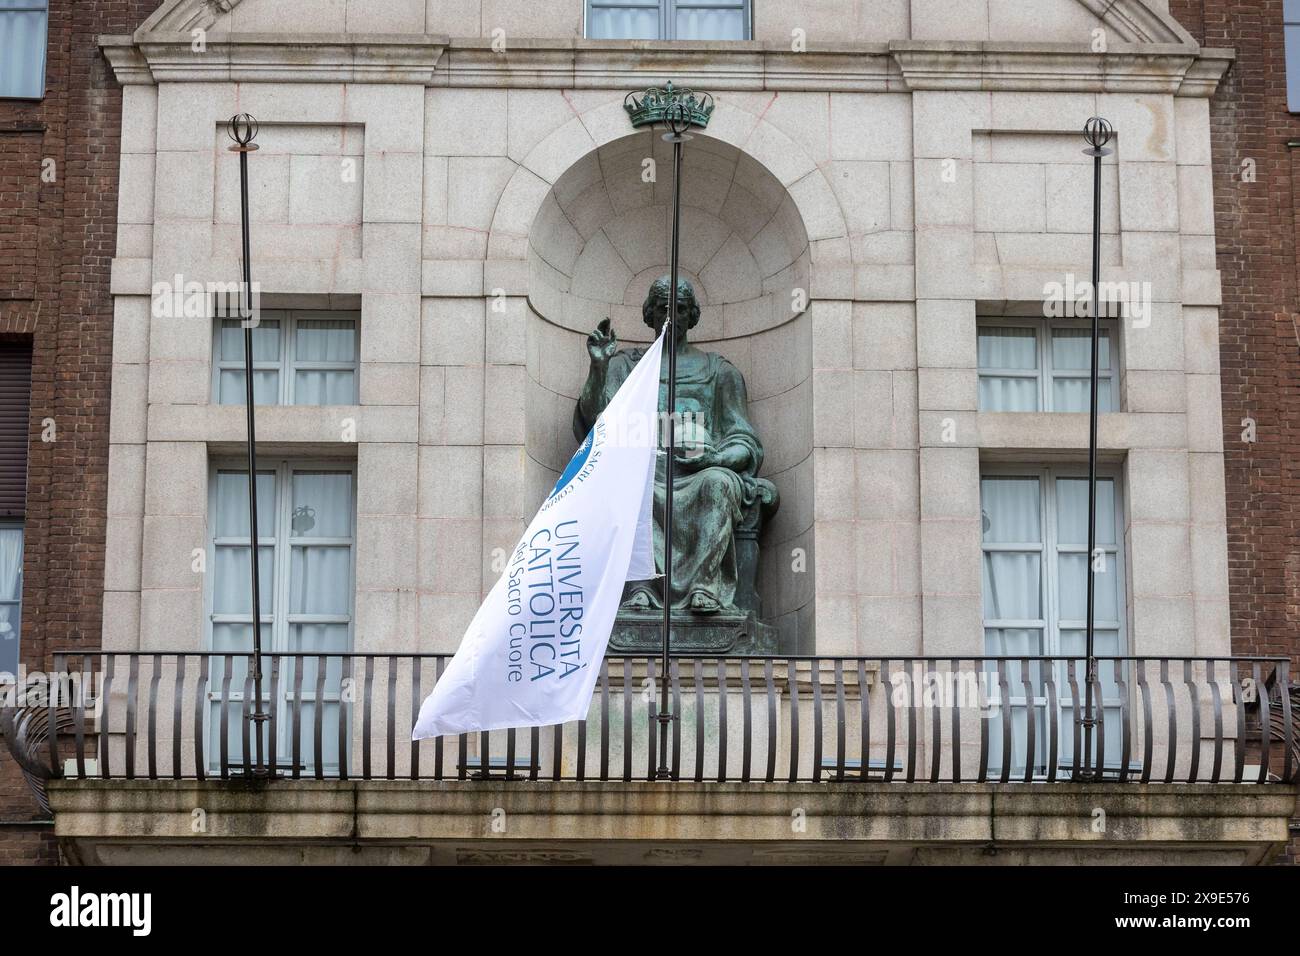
[463,174]
[911,174]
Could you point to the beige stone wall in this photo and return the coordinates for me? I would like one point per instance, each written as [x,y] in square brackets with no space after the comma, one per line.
[495,213]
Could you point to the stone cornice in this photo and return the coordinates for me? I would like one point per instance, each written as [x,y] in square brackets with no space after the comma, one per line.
[1138,68]
[128,62]
[1203,77]
[901,65]
[602,64]
[275,58]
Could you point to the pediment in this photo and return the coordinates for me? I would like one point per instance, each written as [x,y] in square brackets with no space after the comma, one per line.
[181,16]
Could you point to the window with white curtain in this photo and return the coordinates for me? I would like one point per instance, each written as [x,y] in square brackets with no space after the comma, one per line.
[306,535]
[23,27]
[1035,564]
[1032,365]
[668,19]
[11,594]
[299,358]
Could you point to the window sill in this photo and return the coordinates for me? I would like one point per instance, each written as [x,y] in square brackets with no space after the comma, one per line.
[1068,431]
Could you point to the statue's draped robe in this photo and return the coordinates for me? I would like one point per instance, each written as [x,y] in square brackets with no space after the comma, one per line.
[708,503]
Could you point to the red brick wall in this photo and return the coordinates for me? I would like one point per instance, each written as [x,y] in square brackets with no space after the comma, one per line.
[1259,339]
[56,245]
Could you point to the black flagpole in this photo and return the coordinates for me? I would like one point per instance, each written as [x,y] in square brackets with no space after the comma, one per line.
[1098,133]
[678,121]
[243,130]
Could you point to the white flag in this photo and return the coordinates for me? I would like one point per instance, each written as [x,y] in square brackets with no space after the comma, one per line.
[532,654]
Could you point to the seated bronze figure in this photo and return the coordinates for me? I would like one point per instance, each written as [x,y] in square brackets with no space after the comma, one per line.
[719,502]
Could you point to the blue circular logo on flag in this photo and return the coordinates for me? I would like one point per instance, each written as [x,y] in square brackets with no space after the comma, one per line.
[575,465]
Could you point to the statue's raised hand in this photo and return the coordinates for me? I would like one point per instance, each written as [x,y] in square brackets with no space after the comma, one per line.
[602,343]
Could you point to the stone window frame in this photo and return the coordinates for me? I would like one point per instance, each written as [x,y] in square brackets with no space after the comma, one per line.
[667,18]
[1044,374]
[288,365]
[39,63]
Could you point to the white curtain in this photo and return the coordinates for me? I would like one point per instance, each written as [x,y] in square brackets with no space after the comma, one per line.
[1013,591]
[1006,349]
[321,578]
[22,48]
[231,593]
[266,387]
[266,348]
[696,24]
[325,340]
[1072,572]
[1072,567]
[624,23]
[1072,352]
[1072,578]
[266,341]
[320,583]
[1011,515]
[232,504]
[1012,578]
[1011,511]
[1072,511]
[11,590]
[322,504]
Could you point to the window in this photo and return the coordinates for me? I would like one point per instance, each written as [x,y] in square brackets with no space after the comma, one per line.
[1031,365]
[15,411]
[23,25]
[11,594]
[1291,34]
[306,531]
[1035,543]
[299,358]
[668,19]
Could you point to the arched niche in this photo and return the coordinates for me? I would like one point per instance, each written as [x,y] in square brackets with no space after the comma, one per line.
[597,241]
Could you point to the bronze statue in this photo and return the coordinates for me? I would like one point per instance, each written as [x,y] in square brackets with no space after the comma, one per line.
[718,498]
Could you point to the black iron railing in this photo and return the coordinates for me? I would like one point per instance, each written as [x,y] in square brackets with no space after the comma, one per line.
[755,719]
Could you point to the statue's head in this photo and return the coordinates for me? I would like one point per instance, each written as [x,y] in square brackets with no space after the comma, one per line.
[654,311]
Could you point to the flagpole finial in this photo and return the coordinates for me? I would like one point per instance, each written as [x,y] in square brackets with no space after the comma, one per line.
[242,129]
[1098,132]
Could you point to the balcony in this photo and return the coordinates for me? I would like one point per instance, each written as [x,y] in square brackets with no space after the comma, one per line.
[864,759]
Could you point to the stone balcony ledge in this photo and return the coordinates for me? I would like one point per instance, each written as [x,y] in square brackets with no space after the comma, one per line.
[629,822]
